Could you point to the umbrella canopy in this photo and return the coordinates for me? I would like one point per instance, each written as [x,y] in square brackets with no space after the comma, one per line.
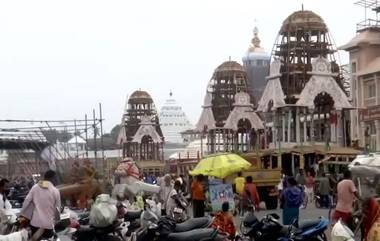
[220,165]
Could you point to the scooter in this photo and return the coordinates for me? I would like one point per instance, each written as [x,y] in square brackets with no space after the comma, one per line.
[308,230]
[270,229]
[340,232]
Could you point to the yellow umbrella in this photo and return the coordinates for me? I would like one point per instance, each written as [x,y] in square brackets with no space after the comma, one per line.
[220,165]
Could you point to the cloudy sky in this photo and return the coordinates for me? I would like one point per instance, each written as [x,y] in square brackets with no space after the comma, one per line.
[59,59]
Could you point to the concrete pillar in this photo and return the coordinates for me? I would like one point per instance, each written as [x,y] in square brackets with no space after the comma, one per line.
[333,129]
[247,140]
[283,125]
[305,125]
[362,134]
[265,136]
[218,143]
[293,166]
[312,126]
[289,125]
[339,128]
[298,127]
[274,130]
[377,125]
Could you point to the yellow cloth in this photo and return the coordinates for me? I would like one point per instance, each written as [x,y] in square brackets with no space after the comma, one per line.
[239,183]
[374,232]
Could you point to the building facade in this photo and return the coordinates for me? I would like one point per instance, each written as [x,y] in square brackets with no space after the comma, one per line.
[140,136]
[173,121]
[304,102]
[364,51]
[228,121]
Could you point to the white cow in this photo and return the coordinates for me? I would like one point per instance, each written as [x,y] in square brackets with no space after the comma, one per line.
[129,176]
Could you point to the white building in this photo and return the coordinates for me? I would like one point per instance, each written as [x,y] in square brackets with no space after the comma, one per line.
[364,50]
[173,121]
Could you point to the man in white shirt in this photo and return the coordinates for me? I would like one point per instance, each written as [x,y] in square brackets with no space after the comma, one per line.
[171,202]
[5,208]
[4,203]
[45,201]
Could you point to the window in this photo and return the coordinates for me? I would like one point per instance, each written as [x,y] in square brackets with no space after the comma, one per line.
[353,67]
[371,90]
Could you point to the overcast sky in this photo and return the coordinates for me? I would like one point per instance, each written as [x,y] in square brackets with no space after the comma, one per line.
[59,59]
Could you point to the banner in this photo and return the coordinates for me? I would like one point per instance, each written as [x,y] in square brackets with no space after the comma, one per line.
[220,193]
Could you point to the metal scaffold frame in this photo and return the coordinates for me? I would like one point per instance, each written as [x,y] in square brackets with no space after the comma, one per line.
[32,146]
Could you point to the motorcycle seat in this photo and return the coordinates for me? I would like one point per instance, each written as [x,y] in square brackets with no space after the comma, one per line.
[132,215]
[193,235]
[307,224]
[191,224]
[84,231]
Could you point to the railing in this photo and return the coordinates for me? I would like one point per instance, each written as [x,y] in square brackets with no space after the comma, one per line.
[368,23]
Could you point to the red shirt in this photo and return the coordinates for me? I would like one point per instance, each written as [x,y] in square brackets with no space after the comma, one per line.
[197,191]
[253,191]
[224,223]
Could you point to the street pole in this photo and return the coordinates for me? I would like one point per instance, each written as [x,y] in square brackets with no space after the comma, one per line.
[95,147]
[101,136]
[85,131]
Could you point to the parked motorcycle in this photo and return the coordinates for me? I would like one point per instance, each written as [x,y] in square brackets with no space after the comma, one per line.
[180,212]
[155,233]
[89,233]
[269,228]
[308,230]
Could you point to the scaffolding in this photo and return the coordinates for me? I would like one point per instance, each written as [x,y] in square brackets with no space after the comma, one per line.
[33,146]
[370,20]
[228,79]
[303,36]
[141,115]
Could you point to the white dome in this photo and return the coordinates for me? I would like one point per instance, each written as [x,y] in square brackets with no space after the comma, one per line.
[173,121]
[255,51]
[258,53]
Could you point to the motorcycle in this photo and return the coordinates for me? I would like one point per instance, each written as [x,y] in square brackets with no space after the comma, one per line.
[179,213]
[112,232]
[310,230]
[155,233]
[158,228]
[269,228]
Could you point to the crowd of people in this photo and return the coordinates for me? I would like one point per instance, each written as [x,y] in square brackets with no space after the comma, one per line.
[43,201]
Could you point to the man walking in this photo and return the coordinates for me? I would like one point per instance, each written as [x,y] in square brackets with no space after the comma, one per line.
[239,188]
[310,184]
[324,190]
[43,202]
[346,193]
[300,177]
[198,197]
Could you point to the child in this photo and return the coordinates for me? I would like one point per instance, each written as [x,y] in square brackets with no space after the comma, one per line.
[224,221]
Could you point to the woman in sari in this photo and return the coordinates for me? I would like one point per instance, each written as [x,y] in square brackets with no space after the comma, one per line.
[371,221]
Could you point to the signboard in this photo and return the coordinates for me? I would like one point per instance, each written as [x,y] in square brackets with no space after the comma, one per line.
[220,193]
[370,113]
